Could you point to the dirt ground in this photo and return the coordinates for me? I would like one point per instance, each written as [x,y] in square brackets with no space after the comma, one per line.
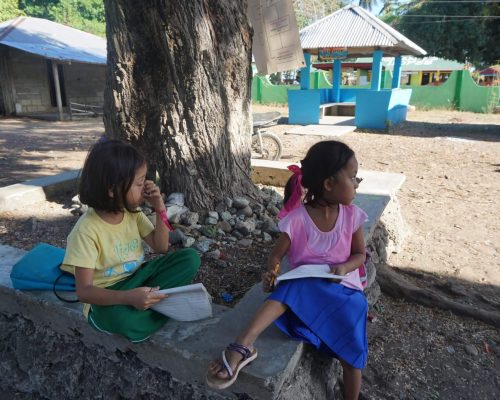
[450,201]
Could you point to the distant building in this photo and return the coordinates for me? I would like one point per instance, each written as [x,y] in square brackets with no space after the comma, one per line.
[415,71]
[45,65]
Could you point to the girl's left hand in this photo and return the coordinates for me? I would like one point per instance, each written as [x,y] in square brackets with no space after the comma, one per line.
[338,269]
[153,195]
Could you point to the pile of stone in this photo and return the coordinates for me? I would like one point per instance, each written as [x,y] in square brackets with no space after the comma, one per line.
[236,220]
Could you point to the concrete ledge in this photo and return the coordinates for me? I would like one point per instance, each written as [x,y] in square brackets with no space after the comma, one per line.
[266,172]
[23,194]
[182,349]
[374,182]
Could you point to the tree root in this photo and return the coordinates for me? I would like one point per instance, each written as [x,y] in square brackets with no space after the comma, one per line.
[396,286]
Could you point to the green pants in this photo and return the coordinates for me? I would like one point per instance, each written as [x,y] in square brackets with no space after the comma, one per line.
[171,270]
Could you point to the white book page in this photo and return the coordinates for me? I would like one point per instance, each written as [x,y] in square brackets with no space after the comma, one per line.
[310,271]
[185,303]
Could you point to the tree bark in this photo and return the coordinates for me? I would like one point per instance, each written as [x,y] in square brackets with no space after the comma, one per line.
[178,88]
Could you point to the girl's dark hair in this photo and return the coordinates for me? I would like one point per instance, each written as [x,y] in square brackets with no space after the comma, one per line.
[322,161]
[110,165]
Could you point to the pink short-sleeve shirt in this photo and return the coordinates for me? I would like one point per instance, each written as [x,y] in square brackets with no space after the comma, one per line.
[309,245]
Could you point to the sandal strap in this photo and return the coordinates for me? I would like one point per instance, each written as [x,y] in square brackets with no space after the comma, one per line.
[226,365]
[239,348]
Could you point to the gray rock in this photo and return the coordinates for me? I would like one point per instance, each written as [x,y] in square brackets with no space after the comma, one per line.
[203,244]
[211,221]
[176,219]
[174,210]
[220,207]
[221,263]
[225,215]
[245,227]
[228,201]
[273,210]
[190,218]
[209,230]
[225,226]
[213,214]
[471,349]
[213,255]
[240,202]
[177,236]
[245,211]
[258,208]
[237,234]
[175,199]
[245,242]
[188,241]
[269,226]
[266,237]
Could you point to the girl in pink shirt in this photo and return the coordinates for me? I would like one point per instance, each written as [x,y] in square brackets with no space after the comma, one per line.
[318,227]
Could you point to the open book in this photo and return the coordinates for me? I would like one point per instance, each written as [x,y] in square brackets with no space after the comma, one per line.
[310,271]
[185,303]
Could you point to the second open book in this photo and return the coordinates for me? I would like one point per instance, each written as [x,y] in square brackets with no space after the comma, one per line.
[185,303]
[310,271]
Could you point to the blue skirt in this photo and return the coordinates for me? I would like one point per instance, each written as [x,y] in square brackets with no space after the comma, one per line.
[327,315]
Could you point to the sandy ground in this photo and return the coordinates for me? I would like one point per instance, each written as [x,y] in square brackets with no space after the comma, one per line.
[450,201]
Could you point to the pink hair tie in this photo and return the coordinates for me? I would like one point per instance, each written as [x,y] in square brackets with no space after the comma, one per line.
[295,199]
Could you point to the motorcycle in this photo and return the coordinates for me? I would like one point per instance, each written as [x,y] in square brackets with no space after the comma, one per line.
[265,145]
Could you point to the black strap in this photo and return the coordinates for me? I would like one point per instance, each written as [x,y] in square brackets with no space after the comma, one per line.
[57,294]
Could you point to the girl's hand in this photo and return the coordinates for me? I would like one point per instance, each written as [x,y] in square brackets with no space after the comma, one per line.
[268,279]
[143,298]
[338,269]
[153,195]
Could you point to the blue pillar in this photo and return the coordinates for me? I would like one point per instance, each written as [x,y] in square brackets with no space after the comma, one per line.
[376,69]
[337,80]
[396,73]
[305,73]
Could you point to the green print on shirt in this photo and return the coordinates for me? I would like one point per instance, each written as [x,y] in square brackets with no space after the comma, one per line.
[123,250]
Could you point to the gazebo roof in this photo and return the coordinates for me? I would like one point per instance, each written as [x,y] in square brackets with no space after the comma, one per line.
[52,40]
[359,32]
[491,71]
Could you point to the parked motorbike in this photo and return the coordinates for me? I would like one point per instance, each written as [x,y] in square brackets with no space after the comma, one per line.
[265,145]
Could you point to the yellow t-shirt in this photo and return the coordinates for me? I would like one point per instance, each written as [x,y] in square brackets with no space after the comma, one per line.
[114,252]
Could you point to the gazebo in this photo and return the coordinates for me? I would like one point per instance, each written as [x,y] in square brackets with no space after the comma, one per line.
[348,33]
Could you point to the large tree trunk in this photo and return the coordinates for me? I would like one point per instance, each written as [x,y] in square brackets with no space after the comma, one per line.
[178,88]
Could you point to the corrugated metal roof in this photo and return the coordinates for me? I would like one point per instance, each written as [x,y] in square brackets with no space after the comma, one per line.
[353,27]
[410,63]
[52,40]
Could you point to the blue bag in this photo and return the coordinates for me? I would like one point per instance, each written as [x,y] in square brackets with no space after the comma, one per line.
[39,270]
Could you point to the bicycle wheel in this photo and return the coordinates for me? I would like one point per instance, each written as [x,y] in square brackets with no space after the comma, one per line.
[271,146]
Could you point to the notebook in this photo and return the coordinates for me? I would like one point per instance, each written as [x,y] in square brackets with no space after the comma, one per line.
[310,271]
[185,303]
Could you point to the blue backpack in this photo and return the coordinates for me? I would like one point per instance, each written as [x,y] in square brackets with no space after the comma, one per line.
[39,269]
